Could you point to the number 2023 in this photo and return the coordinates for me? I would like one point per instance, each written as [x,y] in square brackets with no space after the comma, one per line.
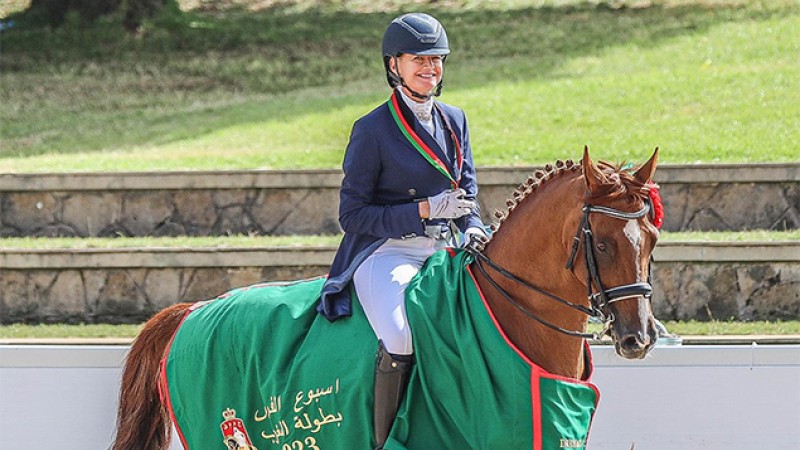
[308,443]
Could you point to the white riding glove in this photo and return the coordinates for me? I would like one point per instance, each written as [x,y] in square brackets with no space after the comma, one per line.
[450,204]
[472,235]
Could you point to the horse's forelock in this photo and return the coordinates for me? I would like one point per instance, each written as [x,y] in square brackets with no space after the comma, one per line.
[618,183]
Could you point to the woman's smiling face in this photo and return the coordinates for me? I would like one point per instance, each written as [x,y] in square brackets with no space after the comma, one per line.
[421,73]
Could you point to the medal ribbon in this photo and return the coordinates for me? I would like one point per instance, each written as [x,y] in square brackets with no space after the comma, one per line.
[421,146]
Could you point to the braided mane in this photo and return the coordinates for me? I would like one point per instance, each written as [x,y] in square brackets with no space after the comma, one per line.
[618,183]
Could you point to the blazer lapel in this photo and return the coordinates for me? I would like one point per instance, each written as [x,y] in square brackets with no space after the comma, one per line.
[437,142]
[441,138]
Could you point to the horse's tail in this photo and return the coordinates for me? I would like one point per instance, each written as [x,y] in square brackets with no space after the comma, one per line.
[142,420]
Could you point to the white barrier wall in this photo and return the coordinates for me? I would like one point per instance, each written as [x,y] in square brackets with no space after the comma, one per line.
[679,398]
[704,397]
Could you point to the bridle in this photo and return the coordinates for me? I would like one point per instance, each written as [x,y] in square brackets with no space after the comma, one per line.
[600,300]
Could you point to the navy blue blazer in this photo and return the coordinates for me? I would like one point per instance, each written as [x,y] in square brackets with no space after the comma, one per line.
[384,178]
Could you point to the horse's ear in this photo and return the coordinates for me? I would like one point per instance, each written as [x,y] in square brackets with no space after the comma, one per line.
[648,169]
[592,174]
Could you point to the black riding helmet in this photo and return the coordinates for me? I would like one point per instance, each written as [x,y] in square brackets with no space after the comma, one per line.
[417,34]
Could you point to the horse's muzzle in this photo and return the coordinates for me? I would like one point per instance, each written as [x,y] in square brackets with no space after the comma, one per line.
[634,339]
[634,345]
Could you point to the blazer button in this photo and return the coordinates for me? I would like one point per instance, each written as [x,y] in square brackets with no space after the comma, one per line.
[412,192]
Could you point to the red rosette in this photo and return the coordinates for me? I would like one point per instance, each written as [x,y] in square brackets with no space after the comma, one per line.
[658,206]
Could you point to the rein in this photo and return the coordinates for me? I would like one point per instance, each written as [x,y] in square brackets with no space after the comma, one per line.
[599,300]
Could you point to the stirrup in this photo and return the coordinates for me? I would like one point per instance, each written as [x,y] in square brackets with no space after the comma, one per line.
[391,377]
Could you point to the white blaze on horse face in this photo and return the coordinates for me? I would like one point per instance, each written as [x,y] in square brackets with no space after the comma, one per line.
[634,235]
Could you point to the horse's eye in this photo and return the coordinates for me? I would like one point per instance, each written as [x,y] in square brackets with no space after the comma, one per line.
[602,247]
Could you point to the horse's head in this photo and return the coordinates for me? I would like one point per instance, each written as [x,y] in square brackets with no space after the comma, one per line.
[617,237]
[600,216]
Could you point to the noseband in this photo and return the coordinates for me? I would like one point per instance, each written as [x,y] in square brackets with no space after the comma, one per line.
[600,300]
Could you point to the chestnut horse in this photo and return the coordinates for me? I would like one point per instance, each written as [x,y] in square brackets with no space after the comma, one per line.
[575,242]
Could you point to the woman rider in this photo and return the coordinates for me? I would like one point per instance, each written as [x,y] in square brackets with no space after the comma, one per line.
[409,189]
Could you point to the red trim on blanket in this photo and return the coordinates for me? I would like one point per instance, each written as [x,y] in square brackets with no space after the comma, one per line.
[537,372]
[163,385]
[536,411]
[497,324]
[586,382]
[539,369]
[536,403]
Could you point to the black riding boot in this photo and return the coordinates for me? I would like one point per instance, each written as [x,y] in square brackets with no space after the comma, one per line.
[391,377]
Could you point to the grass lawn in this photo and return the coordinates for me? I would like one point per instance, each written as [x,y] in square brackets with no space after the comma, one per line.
[279,87]
[60,331]
[57,331]
[185,241]
[332,240]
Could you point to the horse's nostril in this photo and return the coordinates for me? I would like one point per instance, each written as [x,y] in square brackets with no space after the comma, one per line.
[630,342]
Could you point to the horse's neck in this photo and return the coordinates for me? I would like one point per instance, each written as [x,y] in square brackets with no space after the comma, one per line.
[555,352]
[530,245]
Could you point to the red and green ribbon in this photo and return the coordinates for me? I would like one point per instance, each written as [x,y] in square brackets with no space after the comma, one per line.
[420,145]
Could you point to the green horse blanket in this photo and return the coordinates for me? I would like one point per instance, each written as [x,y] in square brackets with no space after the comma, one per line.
[258,368]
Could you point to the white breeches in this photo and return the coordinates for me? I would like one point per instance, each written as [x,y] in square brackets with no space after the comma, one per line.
[381,281]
